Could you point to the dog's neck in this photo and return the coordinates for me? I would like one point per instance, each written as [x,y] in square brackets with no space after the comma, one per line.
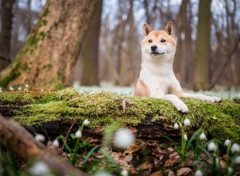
[162,65]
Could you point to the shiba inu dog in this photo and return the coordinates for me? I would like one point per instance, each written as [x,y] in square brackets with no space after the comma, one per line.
[157,78]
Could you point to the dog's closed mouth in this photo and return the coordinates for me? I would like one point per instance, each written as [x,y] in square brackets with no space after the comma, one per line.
[156,53]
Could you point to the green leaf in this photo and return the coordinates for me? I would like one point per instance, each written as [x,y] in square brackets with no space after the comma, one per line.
[111,160]
[72,135]
[88,155]
[192,138]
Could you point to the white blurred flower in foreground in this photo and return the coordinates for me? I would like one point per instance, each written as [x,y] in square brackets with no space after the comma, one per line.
[102,173]
[56,143]
[198,173]
[86,122]
[186,122]
[42,90]
[19,88]
[185,137]
[26,85]
[227,142]
[176,126]
[237,160]
[235,148]
[39,168]
[40,137]
[78,134]
[212,147]
[123,138]
[202,136]
[124,173]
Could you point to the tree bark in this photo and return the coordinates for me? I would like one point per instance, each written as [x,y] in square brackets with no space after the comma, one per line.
[6,28]
[52,48]
[27,148]
[89,54]
[202,51]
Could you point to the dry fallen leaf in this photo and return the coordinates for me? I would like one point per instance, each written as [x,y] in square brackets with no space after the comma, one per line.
[184,171]
[170,172]
[173,159]
[157,173]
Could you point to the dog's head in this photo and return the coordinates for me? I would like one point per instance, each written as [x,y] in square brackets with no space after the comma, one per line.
[159,43]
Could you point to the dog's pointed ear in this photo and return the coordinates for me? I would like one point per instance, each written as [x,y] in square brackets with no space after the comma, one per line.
[169,29]
[146,29]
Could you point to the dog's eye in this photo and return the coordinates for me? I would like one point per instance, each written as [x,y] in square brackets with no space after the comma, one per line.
[163,40]
[149,41]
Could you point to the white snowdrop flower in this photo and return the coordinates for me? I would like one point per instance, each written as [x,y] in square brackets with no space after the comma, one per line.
[102,173]
[39,168]
[25,89]
[11,88]
[78,134]
[185,137]
[227,142]
[0,90]
[123,138]
[186,122]
[86,122]
[92,92]
[235,148]
[55,143]
[80,91]
[26,85]
[40,137]
[237,160]
[198,173]
[41,90]
[230,170]
[202,136]
[19,88]
[212,147]
[176,126]
[124,173]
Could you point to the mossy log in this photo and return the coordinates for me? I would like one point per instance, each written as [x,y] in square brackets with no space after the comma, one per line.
[23,144]
[149,118]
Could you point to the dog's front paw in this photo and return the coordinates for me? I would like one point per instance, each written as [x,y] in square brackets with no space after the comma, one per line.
[215,100]
[181,107]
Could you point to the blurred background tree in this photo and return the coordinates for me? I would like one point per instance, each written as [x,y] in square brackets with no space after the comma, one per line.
[208,51]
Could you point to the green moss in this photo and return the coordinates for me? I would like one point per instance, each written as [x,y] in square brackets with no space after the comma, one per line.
[59,74]
[44,22]
[12,76]
[25,67]
[47,66]
[219,120]
[45,13]
[58,86]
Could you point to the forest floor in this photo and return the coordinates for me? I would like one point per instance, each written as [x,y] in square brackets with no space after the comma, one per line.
[186,153]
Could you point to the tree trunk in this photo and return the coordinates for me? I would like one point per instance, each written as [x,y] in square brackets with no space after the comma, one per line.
[201,58]
[127,61]
[90,49]
[27,148]
[6,28]
[52,48]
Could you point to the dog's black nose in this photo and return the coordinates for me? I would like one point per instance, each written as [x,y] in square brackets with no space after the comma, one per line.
[154,47]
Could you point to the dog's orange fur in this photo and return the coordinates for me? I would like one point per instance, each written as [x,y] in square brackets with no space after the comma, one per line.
[141,89]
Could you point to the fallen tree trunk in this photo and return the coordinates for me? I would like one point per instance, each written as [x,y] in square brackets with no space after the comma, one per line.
[23,144]
[148,118]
